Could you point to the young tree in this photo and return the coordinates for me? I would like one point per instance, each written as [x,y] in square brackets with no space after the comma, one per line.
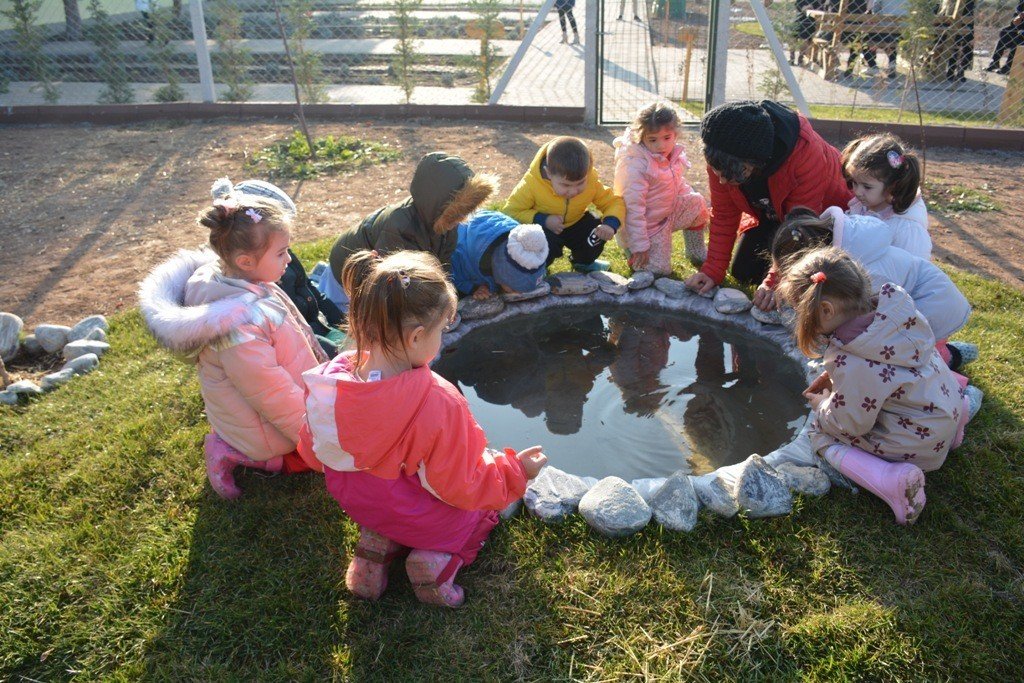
[231,59]
[490,28]
[163,56]
[112,70]
[30,38]
[72,20]
[308,65]
[405,49]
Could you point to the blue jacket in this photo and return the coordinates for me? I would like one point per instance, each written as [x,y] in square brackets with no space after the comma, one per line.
[476,235]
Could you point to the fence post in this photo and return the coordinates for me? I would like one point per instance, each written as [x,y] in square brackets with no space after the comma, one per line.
[524,45]
[590,38]
[195,9]
[718,53]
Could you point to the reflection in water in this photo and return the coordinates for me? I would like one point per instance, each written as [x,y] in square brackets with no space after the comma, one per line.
[632,393]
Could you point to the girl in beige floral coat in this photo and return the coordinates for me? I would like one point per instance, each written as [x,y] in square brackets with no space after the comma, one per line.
[887,409]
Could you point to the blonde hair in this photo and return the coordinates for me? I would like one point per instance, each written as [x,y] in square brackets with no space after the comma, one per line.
[826,273]
[653,118]
[887,158]
[390,295]
[243,224]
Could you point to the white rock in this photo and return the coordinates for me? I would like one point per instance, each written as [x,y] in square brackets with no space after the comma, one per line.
[471,309]
[52,337]
[8,398]
[715,494]
[676,505]
[25,386]
[641,279]
[610,283]
[96,334]
[648,487]
[771,317]
[554,494]
[572,284]
[31,346]
[810,481]
[86,325]
[731,301]
[456,321]
[83,364]
[710,294]
[614,508]
[762,491]
[512,510]
[83,346]
[671,288]
[10,330]
[543,290]
[55,379]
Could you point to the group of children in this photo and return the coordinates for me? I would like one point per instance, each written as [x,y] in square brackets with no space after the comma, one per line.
[398,447]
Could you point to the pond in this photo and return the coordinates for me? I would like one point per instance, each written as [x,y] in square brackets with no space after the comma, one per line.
[627,392]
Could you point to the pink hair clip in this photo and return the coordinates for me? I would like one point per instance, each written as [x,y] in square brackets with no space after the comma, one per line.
[818,278]
[254,215]
[895,158]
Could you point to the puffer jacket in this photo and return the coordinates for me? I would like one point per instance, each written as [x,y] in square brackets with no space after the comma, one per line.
[909,229]
[248,341]
[892,395]
[444,190]
[655,191]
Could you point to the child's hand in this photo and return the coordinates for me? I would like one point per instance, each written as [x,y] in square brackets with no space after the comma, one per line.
[482,292]
[817,398]
[639,260]
[821,382]
[605,232]
[700,283]
[764,298]
[533,460]
[554,224]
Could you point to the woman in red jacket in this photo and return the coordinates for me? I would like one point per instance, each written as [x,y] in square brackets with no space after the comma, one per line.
[763,160]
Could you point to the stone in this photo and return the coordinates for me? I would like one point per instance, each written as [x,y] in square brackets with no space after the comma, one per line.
[675,505]
[31,346]
[614,508]
[55,379]
[641,279]
[710,294]
[771,317]
[674,289]
[96,334]
[512,510]
[543,290]
[25,386]
[10,333]
[83,364]
[456,321]
[8,398]
[715,494]
[554,494]
[472,309]
[572,284]
[610,283]
[83,346]
[86,325]
[809,481]
[761,491]
[647,487]
[731,301]
[52,337]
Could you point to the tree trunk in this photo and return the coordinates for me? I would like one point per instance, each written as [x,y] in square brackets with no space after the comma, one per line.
[72,20]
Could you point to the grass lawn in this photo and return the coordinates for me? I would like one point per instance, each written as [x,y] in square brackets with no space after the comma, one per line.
[118,562]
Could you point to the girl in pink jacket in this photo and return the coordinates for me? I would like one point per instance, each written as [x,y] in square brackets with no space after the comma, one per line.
[402,454]
[887,409]
[650,168]
[222,311]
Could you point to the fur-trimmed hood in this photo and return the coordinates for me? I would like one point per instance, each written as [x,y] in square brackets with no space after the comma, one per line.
[445,190]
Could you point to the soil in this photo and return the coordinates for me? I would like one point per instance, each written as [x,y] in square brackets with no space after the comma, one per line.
[88,210]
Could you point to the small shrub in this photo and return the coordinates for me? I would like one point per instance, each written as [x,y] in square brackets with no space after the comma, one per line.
[401,69]
[29,39]
[163,56]
[490,28]
[957,198]
[232,61]
[448,79]
[289,158]
[112,70]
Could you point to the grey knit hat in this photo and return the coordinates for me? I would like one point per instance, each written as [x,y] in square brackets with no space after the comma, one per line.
[222,187]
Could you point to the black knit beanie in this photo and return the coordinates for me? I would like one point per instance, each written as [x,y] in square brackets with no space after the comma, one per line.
[742,129]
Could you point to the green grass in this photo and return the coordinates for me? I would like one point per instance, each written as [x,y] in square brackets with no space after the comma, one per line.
[117,562]
[751,28]
[957,198]
[892,115]
[289,158]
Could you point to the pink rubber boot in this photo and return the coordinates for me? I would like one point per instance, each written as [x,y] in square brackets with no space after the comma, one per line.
[901,485]
[432,574]
[367,574]
[222,459]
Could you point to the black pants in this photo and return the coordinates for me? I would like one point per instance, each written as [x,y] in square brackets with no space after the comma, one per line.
[751,261]
[562,13]
[584,246]
[1010,37]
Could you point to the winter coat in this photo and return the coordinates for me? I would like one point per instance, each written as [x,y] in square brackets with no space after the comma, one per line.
[892,395]
[811,176]
[249,344]
[909,229]
[476,237]
[413,423]
[318,311]
[655,191]
[870,242]
[533,199]
[444,190]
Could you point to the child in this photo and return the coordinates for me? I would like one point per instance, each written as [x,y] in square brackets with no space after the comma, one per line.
[886,408]
[564,8]
[649,176]
[319,312]
[555,194]
[495,254]
[885,177]
[402,454]
[223,311]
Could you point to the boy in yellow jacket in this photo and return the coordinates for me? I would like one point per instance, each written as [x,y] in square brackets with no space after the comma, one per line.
[556,194]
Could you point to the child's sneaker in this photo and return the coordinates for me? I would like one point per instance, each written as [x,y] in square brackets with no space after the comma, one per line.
[963,353]
[696,249]
[367,574]
[222,459]
[591,267]
[433,578]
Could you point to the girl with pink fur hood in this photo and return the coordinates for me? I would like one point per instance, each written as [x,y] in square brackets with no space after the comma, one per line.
[650,168]
[221,310]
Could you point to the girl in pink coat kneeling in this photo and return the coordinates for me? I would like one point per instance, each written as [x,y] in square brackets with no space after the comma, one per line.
[887,409]
[221,310]
[650,176]
[402,454]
